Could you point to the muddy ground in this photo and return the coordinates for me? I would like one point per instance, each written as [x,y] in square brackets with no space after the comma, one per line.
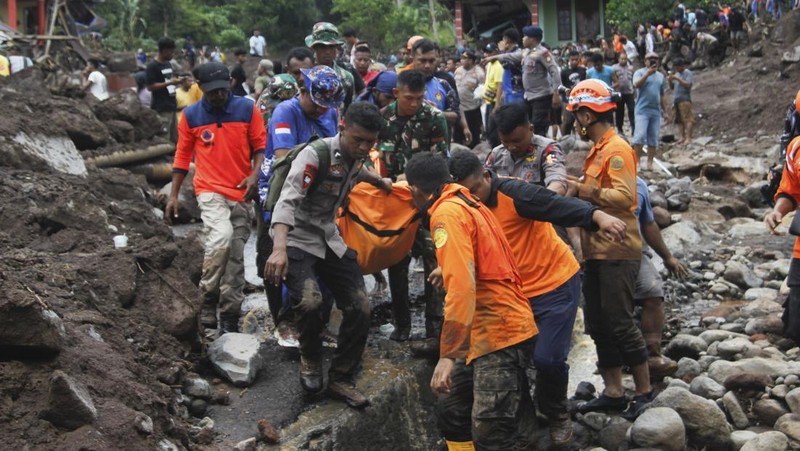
[128,314]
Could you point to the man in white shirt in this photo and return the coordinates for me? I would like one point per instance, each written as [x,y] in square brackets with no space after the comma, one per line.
[630,50]
[258,45]
[94,81]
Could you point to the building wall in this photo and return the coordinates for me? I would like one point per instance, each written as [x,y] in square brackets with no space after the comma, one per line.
[549,19]
[22,5]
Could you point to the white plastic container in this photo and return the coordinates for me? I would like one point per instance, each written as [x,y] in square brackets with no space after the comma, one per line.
[120,241]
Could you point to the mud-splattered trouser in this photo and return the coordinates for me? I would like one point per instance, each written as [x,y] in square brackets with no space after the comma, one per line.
[228,226]
[489,402]
[791,307]
[398,287]
[608,288]
[555,315]
[264,246]
[343,278]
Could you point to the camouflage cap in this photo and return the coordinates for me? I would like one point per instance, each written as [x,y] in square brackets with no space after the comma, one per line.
[324,33]
[283,87]
[324,86]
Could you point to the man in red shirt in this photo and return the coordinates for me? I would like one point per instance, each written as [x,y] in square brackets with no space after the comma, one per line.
[225,134]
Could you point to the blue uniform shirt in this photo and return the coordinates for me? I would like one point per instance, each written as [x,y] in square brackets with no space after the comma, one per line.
[288,127]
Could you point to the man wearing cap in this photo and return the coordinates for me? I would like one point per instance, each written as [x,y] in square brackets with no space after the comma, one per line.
[308,247]
[263,77]
[225,135]
[651,103]
[325,41]
[540,77]
[380,90]
[293,122]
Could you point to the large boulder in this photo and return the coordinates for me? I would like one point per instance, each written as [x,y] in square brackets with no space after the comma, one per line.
[659,428]
[28,329]
[767,441]
[789,424]
[739,274]
[769,410]
[125,106]
[235,356]
[735,410]
[69,404]
[721,369]
[706,387]
[684,345]
[705,423]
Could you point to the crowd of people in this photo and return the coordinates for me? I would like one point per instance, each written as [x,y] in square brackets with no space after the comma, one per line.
[495,303]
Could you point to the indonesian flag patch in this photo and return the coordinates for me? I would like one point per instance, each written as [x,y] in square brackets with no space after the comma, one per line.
[282,128]
[308,175]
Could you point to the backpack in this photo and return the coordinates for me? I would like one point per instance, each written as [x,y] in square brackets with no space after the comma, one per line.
[280,170]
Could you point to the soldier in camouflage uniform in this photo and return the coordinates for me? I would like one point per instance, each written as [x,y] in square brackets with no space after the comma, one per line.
[325,41]
[282,87]
[412,125]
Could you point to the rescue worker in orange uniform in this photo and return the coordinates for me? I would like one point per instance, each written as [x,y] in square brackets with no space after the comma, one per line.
[550,273]
[612,265]
[786,200]
[488,324]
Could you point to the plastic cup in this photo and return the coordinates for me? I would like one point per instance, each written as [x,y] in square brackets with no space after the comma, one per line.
[120,241]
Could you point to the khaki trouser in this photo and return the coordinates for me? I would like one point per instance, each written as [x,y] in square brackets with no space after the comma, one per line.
[228,226]
[169,125]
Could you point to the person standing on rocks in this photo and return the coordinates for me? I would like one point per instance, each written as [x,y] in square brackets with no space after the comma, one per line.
[258,45]
[786,200]
[162,82]
[411,125]
[226,137]
[486,339]
[551,278]
[307,246]
[570,76]
[649,293]
[624,86]
[651,103]
[611,268]
[681,85]
[293,122]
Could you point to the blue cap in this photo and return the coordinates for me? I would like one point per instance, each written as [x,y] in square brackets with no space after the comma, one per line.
[324,86]
[532,31]
[385,82]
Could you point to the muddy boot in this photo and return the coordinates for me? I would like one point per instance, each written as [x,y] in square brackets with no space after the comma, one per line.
[348,393]
[228,324]
[560,429]
[401,333]
[311,374]
[208,313]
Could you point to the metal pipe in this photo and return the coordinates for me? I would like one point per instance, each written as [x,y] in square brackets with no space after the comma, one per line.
[131,156]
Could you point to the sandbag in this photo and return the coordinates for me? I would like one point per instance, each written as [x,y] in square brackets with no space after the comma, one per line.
[378,225]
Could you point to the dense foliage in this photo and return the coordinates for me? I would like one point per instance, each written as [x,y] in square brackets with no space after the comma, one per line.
[284,23]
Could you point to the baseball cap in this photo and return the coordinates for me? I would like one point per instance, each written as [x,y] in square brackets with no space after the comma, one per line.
[324,86]
[268,66]
[491,47]
[213,76]
[532,31]
[385,82]
[324,33]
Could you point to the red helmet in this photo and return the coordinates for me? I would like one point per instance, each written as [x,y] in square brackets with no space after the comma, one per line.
[593,94]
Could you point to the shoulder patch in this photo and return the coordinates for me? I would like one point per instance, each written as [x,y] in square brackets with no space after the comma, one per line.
[617,162]
[308,175]
[439,237]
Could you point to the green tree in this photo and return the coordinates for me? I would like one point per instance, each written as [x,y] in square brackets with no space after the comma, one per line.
[624,13]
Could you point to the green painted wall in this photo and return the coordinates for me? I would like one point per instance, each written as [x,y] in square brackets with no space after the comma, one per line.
[549,21]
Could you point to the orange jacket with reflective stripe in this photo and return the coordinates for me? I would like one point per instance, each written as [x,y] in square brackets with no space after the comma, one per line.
[790,182]
[610,183]
[484,309]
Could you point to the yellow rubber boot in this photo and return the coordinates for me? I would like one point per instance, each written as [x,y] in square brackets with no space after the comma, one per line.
[460,446]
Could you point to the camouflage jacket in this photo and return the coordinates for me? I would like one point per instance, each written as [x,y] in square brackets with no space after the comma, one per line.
[400,137]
